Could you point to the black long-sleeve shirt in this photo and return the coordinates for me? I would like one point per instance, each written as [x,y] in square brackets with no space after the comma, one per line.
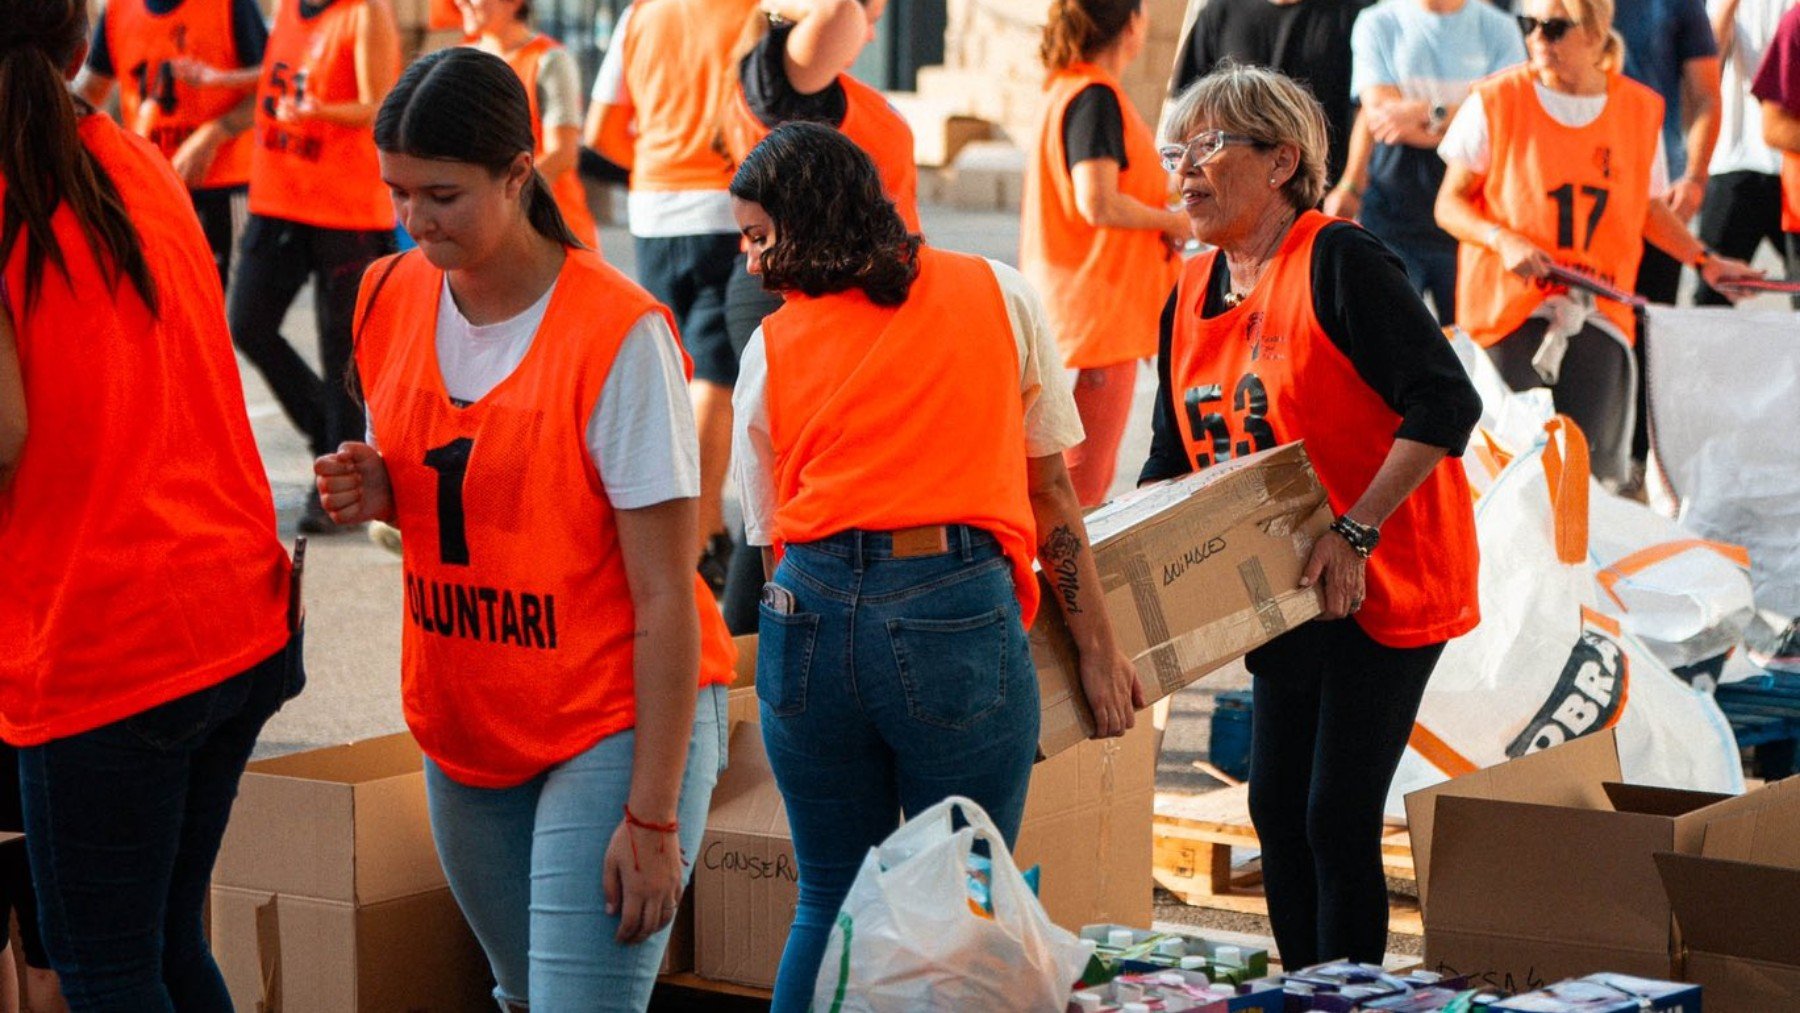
[1372,314]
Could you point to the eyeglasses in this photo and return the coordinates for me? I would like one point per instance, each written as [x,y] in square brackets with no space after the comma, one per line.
[1201,148]
[1553,28]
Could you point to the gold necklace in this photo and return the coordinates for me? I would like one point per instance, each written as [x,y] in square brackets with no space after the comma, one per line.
[1234,296]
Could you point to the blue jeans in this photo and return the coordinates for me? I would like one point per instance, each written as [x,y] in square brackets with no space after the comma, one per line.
[123,824]
[893,684]
[524,864]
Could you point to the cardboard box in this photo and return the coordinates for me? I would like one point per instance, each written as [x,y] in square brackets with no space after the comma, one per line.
[1087,824]
[1195,571]
[1738,907]
[746,882]
[328,896]
[1543,868]
[283,953]
[346,823]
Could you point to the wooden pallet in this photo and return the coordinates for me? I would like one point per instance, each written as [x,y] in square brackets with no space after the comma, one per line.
[1194,835]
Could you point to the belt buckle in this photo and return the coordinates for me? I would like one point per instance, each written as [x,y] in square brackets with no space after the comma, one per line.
[932,540]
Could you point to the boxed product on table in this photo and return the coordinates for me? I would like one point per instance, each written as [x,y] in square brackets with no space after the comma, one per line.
[1174,991]
[1194,572]
[1343,986]
[1434,999]
[1122,949]
[1581,995]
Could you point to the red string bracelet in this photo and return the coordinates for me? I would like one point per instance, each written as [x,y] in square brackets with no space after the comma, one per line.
[631,820]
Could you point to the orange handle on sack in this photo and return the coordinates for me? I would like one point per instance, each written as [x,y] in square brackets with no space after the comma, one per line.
[1566,468]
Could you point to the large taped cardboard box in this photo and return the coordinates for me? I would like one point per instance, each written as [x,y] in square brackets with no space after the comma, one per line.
[1737,905]
[1195,571]
[1544,867]
[746,883]
[282,953]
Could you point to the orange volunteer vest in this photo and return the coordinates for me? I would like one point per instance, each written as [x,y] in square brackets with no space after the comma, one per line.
[1103,288]
[443,16]
[1265,373]
[869,120]
[313,172]
[571,198]
[1790,192]
[678,103]
[1581,193]
[856,391]
[153,103]
[517,647]
[141,560]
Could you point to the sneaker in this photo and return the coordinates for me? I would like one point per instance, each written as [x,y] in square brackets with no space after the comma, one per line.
[715,562]
[385,535]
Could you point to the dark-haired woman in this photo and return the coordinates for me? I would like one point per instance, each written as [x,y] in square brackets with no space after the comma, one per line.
[317,207]
[531,437]
[1098,238]
[503,28]
[144,598]
[899,440]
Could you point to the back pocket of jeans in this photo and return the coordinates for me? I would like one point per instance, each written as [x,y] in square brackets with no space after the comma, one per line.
[784,654]
[953,670]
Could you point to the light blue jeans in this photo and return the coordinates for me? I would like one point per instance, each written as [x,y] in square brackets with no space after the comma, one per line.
[894,683]
[524,864]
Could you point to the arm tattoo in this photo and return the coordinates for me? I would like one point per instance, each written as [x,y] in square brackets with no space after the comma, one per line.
[1061,554]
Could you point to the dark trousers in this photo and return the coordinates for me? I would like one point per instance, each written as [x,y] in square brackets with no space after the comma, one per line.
[690,275]
[213,206]
[1593,388]
[123,824]
[1332,713]
[1743,211]
[274,261]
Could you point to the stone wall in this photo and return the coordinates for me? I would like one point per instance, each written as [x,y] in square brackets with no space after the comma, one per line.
[991,66]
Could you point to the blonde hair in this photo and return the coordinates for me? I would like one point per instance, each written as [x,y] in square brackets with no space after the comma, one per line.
[1077,29]
[1599,14]
[1266,105]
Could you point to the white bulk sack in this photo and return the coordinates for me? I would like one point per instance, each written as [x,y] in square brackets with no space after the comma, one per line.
[1724,413]
[1545,664]
[907,939]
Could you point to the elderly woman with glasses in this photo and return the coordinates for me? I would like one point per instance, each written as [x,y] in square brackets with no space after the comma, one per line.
[1553,167]
[1303,326]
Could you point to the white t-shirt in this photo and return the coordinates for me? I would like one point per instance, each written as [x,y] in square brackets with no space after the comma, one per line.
[1466,140]
[1741,146]
[656,214]
[641,436]
[1051,422]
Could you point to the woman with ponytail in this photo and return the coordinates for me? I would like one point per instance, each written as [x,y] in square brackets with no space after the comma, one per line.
[1098,238]
[144,600]
[562,665]
[317,207]
[1556,163]
[503,28]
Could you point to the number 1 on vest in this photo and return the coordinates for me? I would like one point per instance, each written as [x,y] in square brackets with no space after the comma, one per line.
[451,462]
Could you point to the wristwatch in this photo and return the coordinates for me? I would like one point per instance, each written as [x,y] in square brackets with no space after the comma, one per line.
[1362,537]
[1706,254]
[1439,113]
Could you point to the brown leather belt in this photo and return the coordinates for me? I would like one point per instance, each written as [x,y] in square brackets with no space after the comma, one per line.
[910,543]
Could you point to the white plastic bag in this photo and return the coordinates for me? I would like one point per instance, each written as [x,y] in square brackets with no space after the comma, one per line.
[1724,407]
[1545,664]
[907,939]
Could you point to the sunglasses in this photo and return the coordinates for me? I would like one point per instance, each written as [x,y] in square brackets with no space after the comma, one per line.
[1553,28]
[1201,148]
